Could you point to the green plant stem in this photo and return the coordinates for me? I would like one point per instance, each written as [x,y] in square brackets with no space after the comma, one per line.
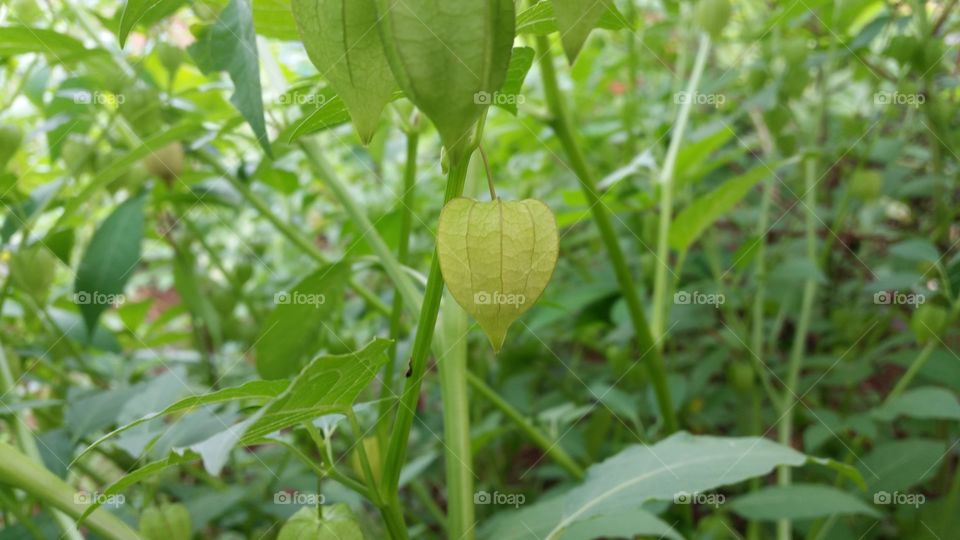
[550,447]
[401,280]
[28,444]
[658,318]
[562,128]
[421,492]
[396,453]
[452,366]
[785,428]
[396,314]
[924,355]
[287,230]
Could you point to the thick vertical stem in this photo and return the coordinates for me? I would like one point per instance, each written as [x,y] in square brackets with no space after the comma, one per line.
[649,352]
[456,421]
[397,451]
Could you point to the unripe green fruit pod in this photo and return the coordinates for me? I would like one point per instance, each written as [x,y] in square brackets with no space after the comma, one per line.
[740,376]
[497,258]
[866,185]
[32,270]
[10,139]
[928,322]
[338,523]
[166,162]
[712,16]
[166,522]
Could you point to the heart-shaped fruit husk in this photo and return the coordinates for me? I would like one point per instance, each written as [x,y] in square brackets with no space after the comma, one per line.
[497,258]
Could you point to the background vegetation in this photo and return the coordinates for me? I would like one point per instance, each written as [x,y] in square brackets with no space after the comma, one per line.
[218,293]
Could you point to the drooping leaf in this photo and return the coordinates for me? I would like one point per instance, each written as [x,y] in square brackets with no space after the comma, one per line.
[274,19]
[290,332]
[230,45]
[575,20]
[681,463]
[928,402]
[497,258]
[110,260]
[799,501]
[342,41]
[898,465]
[60,48]
[509,96]
[136,10]
[704,211]
[446,55]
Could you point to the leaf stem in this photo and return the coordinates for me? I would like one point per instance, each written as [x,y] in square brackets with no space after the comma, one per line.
[658,318]
[601,215]
[486,167]
[550,447]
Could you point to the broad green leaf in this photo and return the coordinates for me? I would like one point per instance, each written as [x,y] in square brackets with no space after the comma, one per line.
[165,521]
[342,42]
[230,45]
[274,19]
[110,260]
[338,523]
[61,48]
[898,465]
[679,464]
[928,402]
[509,95]
[326,385]
[20,471]
[136,10]
[291,331]
[575,20]
[799,501]
[539,19]
[497,258]
[252,390]
[201,309]
[704,211]
[448,55]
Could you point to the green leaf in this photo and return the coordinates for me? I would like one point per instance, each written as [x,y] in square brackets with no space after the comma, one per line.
[799,501]
[342,42]
[575,20]
[509,95]
[681,463]
[136,10]
[274,19]
[338,523]
[897,465]
[497,258]
[704,211]
[16,40]
[110,259]
[326,385]
[446,54]
[539,19]
[926,403]
[231,45]
[290,332]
